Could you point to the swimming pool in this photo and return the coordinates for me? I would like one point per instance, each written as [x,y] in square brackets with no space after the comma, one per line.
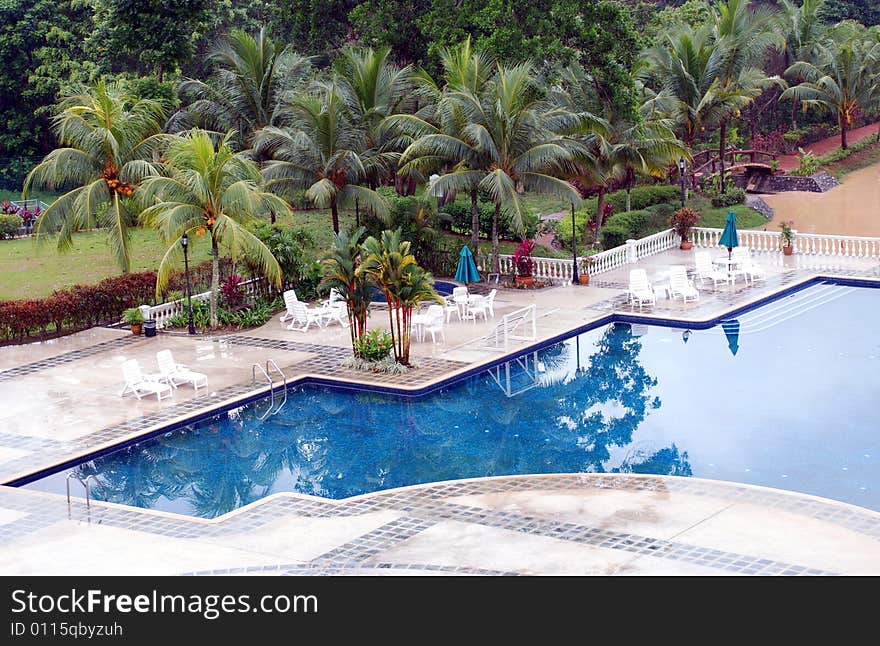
[783,396]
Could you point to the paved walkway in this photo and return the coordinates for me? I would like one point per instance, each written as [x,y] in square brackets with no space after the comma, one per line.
[64,401]
[823,146]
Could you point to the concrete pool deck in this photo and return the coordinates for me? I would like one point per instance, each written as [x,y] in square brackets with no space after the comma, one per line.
[61,399]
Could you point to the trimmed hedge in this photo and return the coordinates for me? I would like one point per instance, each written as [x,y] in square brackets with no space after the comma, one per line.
[641,197]
[456,217]
[77,307]
[9,225]
[623,226]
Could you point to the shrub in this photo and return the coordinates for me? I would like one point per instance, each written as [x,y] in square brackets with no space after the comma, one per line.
[563,226]
[456,217]
[642,197]
[522,258]
[808,164]
[731,197]
[232,292]
[9,225]
[635,223]
[614,233]
[374,345]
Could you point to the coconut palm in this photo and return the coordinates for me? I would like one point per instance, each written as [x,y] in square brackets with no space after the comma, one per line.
[465,71]
[843,79]
[209,189]
[802,29]
[742,38]
[108,141]
[389,263]
[251,76]
[341,273]
[512,130]
[319,151]
[374,88]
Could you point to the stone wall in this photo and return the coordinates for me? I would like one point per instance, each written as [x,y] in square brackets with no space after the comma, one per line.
[818,183]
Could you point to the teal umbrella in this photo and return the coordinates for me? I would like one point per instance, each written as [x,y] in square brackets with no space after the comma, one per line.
[731,331]
[467,269]
[728,237]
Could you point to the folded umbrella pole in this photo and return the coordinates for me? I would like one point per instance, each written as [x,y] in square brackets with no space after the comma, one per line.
[467,268]
[729,237]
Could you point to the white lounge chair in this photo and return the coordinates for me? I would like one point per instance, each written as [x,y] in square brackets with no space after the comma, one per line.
[750,270]
[141,384]
[640,290]
[289,299]
[335,309]
[681,285]
[175,374]
[706,271]
[303,316]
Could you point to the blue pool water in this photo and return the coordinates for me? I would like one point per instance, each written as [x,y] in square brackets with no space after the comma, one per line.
[795,407]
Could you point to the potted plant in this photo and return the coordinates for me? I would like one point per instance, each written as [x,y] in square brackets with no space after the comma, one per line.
[682,221]
[585,263]
[523,263]
[786,236]
[135,318]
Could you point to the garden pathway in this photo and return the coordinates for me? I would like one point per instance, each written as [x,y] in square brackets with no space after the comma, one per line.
[823,146]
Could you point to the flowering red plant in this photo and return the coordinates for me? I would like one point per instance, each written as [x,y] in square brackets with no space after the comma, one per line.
[522,258]
[233,293]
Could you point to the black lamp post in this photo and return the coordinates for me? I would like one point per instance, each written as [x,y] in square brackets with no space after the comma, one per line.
[184,242]
[575,279]
[681,179]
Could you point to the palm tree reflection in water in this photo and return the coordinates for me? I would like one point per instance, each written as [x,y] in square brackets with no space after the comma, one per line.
[339,443]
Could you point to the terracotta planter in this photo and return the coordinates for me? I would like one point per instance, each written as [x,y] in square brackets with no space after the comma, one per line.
[686,245]
[787,250]
[584,279]
[528,281]
[136,328]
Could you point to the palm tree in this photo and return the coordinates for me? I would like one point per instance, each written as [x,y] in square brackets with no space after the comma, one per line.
[512,130]
[209,189]
[466,72]
[802,28]
[843,80]
[742,38]
[251,76]
[341,272]
[374,88]
[109,139]
[318,150]
[389,263]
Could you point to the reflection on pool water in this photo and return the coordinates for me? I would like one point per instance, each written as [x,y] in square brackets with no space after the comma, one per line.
[770,399]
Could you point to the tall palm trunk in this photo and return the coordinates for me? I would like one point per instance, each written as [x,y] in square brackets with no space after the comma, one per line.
[841,119]
[496,261]
[722,141]
[475,221]
[335,213]
[600,210]
[215,278]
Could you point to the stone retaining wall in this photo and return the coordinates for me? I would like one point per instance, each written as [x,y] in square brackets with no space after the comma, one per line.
[818,183]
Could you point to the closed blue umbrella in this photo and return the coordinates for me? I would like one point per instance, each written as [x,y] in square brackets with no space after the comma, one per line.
[731,331]
[729,237]
[467,268]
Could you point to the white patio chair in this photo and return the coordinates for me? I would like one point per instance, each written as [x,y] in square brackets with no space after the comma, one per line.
[681,285]
[141,384]
[174,373]
[490,302]
[640,290]
[289,299]
[476,306]
[436,317]
[457,303]
[304,316]
[750,270]
[706,271]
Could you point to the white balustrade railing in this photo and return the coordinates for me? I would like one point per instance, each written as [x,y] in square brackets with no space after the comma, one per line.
[162,312]
[817,244]
[654,244]
[812,244]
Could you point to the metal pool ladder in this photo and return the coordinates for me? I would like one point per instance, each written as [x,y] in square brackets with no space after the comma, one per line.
[85,484]
[271,366]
